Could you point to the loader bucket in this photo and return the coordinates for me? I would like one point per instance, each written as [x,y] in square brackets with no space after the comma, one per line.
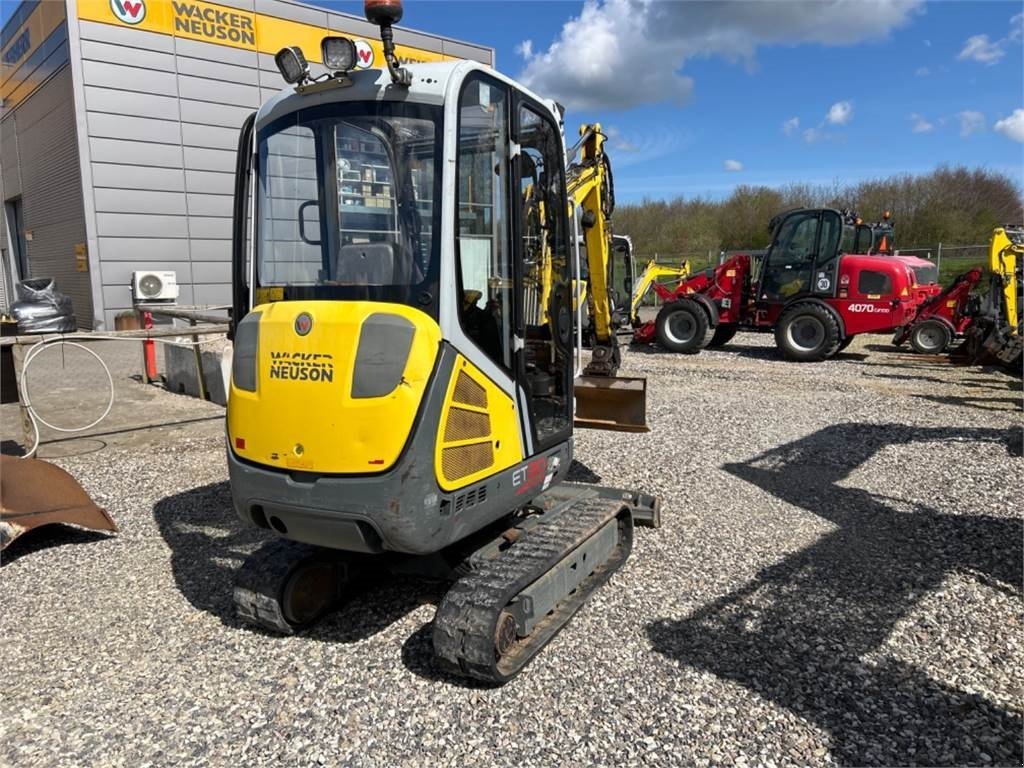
[35,493]
[616,403]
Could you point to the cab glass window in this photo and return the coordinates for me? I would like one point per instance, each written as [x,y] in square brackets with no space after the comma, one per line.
[871,282]
[482,240]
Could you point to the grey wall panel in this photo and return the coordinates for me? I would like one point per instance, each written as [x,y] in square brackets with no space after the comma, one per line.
[139,201]
[197,158]
[140,225]
[128,78]
[354,27]
[125,36]
[216,294]
[135,153]
[211,271]
[467,51]
[47,156]
[93,50]
[210,182]
[130,103]
[103,125]
[207,113]
[222,53]
[209,250]
[292,11]
[9,168]
[210,137]
[213,70]
[218,92]
[210,205]
[143,249]
[120,176]
[119,273]
[209,227]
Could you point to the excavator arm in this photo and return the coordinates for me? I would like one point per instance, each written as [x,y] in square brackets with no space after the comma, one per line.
[603,399]
[589,181]
[995,332]
[652,273]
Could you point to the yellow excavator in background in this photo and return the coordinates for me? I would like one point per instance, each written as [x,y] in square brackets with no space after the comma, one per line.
[404,373]
[653,273]
[994,333]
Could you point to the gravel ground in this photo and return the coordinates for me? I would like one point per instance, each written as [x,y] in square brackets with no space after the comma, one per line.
[838,581]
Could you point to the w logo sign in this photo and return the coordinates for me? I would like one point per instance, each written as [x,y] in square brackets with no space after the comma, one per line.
[129,11]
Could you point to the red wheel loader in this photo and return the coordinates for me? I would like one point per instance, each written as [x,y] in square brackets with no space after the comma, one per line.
[811,288]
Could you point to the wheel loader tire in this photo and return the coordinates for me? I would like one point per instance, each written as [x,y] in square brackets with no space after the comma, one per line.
[807,333]
[723,335]
[930,337]
[683,326]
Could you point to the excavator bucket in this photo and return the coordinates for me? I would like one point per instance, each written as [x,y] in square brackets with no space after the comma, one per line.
[35,493]
[616,403]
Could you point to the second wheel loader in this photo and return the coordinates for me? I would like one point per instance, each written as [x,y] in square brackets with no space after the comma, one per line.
[402,390]
[810,288]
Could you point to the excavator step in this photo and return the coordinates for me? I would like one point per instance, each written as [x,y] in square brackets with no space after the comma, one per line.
[497,618]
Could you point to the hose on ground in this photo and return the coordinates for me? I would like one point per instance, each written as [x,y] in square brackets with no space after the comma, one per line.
[33,352]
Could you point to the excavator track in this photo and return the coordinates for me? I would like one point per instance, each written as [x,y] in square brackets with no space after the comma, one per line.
[475,632]
[285,586]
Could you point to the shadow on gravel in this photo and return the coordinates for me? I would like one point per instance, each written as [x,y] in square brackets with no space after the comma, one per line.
[46,537]
[798,634]
[209,544]
[981,402]
[581,473]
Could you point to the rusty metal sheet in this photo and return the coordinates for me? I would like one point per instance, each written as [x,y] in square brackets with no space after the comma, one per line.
[34,493]
[616,403]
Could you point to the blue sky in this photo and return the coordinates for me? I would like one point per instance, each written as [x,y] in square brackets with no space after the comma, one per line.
[906,72]
[683,88]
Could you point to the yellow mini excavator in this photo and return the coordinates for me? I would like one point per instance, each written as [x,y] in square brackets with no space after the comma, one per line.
[654,273]
[994,332]
[402,389]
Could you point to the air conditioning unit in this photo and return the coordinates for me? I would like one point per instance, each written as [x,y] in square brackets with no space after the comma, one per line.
[154,287]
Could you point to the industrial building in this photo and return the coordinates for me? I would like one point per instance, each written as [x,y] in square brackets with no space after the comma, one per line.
[119,131]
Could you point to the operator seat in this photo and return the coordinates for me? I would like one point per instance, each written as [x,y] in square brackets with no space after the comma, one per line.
[372,264]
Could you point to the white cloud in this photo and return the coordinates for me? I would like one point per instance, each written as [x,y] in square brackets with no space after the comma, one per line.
[814,135]
[970,122]
[921,125]
[525,49]
[927,43]
[618,54]
[979,48]
[1017,27]
[840,113]
[791,126]
[1013,126]
[923,72]
[732,165]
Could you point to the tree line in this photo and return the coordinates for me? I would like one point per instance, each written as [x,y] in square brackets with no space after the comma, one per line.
[951,205]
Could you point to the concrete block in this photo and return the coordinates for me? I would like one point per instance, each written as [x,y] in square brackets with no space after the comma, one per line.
[180,374]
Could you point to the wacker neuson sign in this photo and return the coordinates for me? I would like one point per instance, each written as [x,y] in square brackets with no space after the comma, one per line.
[223,25]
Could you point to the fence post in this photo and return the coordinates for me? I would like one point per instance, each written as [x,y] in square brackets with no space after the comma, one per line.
[938,258]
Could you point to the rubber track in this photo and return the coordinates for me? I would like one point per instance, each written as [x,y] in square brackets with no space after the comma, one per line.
[465,622]
[260,581]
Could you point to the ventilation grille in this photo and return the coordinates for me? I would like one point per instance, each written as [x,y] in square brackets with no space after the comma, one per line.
[463,460]
[470,498]
[468,392]
[466,425]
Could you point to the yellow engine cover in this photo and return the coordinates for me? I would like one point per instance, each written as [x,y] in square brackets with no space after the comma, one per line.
[323,403]
[479,429]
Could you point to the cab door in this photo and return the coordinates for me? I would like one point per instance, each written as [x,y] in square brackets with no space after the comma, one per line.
[544,317]
[789,263]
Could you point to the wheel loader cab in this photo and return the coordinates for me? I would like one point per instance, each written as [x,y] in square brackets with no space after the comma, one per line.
[803,258]
[403,351]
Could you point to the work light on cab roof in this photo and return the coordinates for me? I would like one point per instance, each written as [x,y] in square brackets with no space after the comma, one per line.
[339,53]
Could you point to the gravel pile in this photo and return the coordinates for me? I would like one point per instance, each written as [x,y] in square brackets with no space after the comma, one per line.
[838,581]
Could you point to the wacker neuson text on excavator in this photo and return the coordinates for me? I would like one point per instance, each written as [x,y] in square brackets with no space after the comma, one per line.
[406,232]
